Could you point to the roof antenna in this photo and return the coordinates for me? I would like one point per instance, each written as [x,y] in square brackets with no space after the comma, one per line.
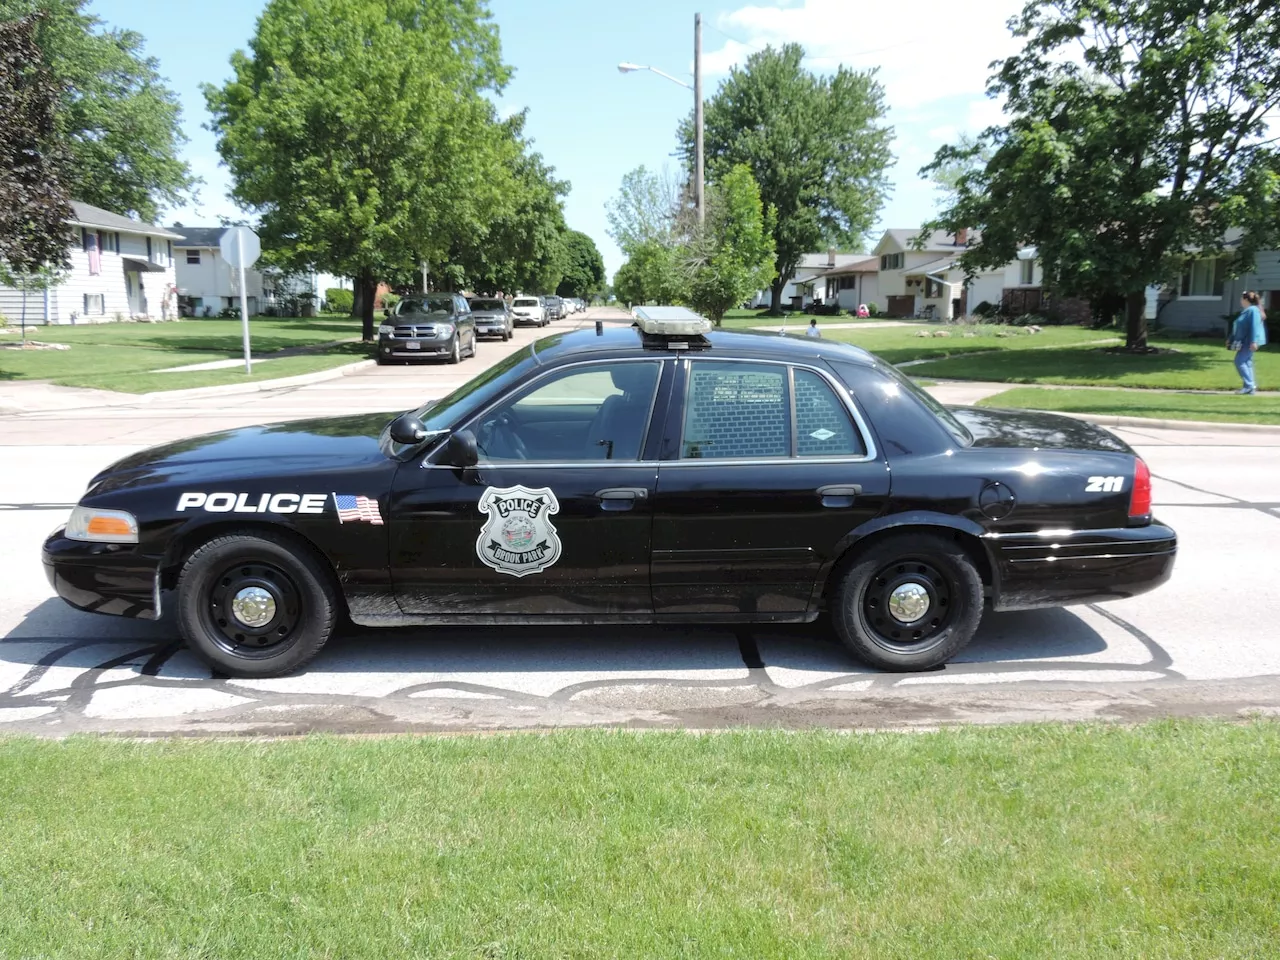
[599,327]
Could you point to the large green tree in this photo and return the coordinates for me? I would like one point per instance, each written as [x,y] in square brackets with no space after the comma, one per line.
[816,145]
[644,210]
[358,131]
[119,122]
[731,255]
[654,272]
[34,204]
[583,266]
[1138,135]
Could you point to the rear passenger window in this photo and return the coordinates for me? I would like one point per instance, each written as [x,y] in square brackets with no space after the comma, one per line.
[744,411]
[737,410]
[823,427]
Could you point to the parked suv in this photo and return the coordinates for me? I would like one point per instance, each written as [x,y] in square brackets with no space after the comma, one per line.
[555,308]
[528,311]
[493,317]
[426,326]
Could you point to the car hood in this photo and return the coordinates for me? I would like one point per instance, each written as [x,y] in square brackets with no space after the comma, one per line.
[281,449]
[993,427]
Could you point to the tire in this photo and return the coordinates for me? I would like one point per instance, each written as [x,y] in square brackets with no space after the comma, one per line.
[949,586]
[456,356]
[303,608]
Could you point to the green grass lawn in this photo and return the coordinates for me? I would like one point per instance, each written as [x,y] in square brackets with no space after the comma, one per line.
[125,356]
[900,344]
[1196,365]
[1133,403]
[1046,841]
[747,319]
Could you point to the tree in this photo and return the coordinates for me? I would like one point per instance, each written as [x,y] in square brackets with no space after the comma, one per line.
[1137,135]
[583,266]
[359,132]
[970,155]
[34,207]
[644,210]
[732,255]
[815,145]
[119,122]
[654,272]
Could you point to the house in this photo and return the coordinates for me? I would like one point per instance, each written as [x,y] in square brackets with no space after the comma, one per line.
[855,283]
[207,284]
[799,291]
[118,268]
[1204,296]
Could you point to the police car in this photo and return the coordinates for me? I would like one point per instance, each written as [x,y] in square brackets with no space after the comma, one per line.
[662,472]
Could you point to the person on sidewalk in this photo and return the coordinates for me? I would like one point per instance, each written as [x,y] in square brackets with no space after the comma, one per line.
[1248,333]
[813,330]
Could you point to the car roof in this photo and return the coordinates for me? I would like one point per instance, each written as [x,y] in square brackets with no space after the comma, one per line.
[614,341]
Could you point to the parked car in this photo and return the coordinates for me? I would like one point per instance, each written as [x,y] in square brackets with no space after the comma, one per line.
[493,317]
[428,326]
[662,472]
[528,311]
[554,308]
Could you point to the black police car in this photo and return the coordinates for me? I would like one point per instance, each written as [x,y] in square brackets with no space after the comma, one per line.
[657,473]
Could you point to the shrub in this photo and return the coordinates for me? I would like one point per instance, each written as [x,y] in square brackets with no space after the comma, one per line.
[986,309]
[339,300]
[873,308]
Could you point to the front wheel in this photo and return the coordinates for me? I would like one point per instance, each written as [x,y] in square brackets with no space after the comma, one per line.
[456,355]
[255,604]
[909,602]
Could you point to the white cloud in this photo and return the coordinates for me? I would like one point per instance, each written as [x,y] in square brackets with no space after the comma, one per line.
[926,50]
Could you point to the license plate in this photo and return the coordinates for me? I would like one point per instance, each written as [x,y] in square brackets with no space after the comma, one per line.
[413,345]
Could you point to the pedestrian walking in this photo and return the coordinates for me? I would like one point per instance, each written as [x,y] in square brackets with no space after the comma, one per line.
[813,330]
[1248,333]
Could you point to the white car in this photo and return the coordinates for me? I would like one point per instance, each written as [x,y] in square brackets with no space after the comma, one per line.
[527,311]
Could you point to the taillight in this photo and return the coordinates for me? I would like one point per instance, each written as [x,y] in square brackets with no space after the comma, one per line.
[1140,495]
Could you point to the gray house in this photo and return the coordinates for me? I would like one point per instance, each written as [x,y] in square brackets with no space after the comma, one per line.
[1205,295]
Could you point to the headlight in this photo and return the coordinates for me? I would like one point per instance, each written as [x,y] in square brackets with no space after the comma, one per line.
[445,330]
[386,331]
[102,526]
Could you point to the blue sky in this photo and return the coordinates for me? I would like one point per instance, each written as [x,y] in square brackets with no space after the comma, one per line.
[593,124]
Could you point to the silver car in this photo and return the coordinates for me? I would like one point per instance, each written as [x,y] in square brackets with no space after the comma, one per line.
[493,317]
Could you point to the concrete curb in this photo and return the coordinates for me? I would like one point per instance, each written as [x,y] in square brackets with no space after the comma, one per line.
[1219,426]
[258,386]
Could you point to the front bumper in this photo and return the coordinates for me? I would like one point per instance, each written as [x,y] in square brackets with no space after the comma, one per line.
[415,348]
[111,578]
[1080,566]
[491,327]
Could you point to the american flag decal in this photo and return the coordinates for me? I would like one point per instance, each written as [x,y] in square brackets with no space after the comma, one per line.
[353,508]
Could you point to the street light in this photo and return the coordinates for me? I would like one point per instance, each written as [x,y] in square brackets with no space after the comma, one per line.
[627,67]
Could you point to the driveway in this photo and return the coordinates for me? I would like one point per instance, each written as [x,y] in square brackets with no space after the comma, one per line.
[1206,643]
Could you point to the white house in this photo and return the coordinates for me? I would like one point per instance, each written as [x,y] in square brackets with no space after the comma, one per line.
[206,282]
[851,285]
[1205,296]
[799,293]
[119,268]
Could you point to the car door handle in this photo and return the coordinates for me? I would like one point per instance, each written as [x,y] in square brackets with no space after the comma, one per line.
[839,494]
[620,498]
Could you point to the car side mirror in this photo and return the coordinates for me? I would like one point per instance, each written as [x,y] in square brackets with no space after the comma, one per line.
[461,450]
[407,428]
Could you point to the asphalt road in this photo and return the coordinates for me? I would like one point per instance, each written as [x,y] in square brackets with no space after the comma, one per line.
[1206,643]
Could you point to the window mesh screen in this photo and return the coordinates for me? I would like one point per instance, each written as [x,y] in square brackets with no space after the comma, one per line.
[823,428]
[737,411]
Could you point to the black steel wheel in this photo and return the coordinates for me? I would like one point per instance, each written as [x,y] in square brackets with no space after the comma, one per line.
[911,601]
[255,604]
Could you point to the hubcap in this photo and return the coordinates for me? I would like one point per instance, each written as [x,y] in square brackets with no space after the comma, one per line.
[253,606]
[909,603]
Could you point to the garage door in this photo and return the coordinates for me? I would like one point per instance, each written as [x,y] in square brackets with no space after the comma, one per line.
[902,306]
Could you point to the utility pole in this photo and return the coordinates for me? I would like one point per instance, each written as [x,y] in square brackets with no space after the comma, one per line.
[699,184]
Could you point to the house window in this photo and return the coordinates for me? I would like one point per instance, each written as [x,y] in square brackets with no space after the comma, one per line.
[848,283]
[93,247]
[168,246]
[93,305]
[193,257]
[1203,278]
[1027,273]
[148,249]
[891,261]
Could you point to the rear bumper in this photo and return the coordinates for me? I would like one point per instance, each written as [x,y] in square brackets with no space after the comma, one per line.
[1080,566]
[520,321]
[490,328]
[103,577]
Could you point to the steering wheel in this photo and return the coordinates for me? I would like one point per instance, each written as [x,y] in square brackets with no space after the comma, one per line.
[501,441]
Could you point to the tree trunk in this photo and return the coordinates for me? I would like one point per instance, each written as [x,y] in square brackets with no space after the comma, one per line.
[356,307]
[1136,326]
[775,307]
[367,293]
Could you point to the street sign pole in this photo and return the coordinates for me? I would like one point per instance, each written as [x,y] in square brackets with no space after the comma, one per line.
[244,304]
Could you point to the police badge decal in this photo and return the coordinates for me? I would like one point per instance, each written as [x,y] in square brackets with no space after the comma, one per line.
[518,537]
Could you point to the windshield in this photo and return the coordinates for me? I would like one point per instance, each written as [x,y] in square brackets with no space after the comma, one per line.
[486,304]
[954,426]
[425,307]
[524,303]
[442,414]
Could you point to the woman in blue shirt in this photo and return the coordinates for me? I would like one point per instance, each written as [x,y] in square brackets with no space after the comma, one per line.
[1248,333]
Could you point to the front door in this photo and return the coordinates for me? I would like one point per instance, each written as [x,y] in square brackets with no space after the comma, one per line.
[556,518]
[773,470]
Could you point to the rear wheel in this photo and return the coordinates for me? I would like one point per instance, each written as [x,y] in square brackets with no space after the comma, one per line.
[255,605]
[908,602]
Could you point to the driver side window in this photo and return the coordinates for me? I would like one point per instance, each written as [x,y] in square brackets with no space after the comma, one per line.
[585,413]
